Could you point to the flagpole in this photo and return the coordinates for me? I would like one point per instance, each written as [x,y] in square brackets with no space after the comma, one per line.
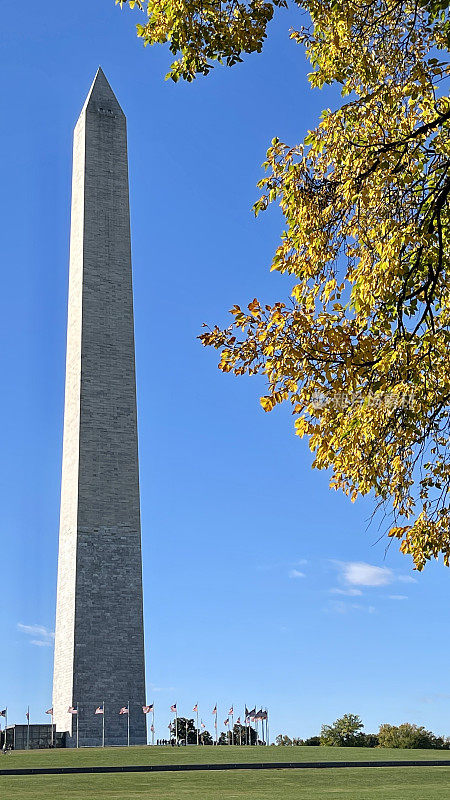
[176,725]
[77,726]
[267,726]
[128,725]
[28,728]
[153,724]
[216,722]
[232,727]
[103,725]
[52,727]
[197,724]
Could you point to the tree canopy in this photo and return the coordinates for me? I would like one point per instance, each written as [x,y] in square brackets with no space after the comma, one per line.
[361,348]
[182,724]
[343,732]
[282,740]
[407,736]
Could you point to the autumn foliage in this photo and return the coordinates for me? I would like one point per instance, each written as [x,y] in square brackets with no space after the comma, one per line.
[361,349]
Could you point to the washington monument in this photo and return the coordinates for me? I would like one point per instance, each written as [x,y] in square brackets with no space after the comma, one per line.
[99,644]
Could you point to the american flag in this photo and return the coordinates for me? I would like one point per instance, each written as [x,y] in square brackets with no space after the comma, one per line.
[202,725]
[28,715]
[3,713]
[238,721]
[195,707]
[174,708]
[72,710]
[152,728]
[214,711]
[50,711]
[227,721]
[99,710]
[147,709]
[124,710]
[231,712]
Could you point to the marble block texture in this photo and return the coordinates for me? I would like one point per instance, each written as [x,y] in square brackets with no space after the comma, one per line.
[99,637]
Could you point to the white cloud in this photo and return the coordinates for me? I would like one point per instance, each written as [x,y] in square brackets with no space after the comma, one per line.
[398,597]
[434,698]
[347,592]
[45,635]
[294,573]
[358,573]
[359,607]
[42,642]
[35,630]
[341,607]
[407,579]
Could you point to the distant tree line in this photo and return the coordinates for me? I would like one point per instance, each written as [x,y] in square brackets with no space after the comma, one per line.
[347,732]
[186,732]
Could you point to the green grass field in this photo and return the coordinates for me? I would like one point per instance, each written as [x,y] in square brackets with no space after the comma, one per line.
[409,783]
[207,755]
[380,783]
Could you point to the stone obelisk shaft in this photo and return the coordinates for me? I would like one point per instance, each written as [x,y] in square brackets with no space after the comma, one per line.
[99,645]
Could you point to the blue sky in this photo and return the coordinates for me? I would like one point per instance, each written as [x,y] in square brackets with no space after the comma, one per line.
[261,586]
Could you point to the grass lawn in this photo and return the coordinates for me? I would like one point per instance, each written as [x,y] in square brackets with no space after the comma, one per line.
[204,755]
[380,783]
[384,783]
